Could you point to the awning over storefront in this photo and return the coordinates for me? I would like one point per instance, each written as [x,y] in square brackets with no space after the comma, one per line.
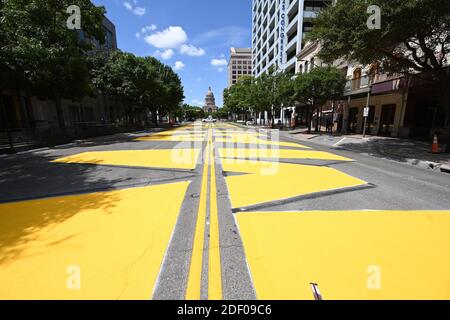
[386,86]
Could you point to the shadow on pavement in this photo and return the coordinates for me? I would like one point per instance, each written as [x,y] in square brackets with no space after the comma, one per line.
[22,222]
[408,151]
[33,176]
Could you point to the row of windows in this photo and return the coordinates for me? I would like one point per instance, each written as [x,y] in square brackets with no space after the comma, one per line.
[241,62]
[243,72]
[249,64]
[249,67]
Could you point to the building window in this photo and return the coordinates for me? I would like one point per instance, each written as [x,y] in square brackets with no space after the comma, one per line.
[356,79]
[374,71]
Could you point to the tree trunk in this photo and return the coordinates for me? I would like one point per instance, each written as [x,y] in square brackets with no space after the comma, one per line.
[154,117]
[59,112]
[309,117]
[272,119]
[83,118]
[317,120]
[130,116]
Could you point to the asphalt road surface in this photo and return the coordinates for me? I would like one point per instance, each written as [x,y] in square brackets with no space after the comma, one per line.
[215,211]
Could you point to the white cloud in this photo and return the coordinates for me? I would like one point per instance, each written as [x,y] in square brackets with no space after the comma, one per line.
[192,51]
[179,65]
[219,62]
[220,69]
[151,27]
[145,30]
[128,6]
[170,38]
[166,54]
[139,11]
[199,79]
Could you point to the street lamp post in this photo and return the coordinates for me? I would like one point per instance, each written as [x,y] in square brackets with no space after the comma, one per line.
[366,111]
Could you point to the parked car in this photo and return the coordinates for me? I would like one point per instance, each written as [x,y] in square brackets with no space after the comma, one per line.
[209,119]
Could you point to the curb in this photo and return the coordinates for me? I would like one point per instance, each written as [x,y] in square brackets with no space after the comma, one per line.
[81,141]
[445,168]
[34,150]
[427,165]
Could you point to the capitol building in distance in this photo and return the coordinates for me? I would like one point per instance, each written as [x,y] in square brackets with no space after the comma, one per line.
[210,102]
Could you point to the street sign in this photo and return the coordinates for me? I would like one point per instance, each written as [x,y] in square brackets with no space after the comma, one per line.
[366,112]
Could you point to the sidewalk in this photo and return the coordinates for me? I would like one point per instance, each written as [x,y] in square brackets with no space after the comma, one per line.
[107,138]
[412,152]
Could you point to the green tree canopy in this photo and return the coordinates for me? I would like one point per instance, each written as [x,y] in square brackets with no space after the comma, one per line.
[277,89]
[317,86]
[193,113]
[40,54]
[239,99]
[414,37]
[136,81]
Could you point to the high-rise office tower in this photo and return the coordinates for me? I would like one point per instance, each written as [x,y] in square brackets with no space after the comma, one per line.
[279,30]
[240,64]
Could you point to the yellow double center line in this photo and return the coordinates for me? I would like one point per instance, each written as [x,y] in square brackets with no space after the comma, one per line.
[193,289]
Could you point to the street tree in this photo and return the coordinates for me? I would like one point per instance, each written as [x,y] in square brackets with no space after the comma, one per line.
[316,87]
[414,38]
[273,90]
[120,77]
[40,54]
[173,91]
[239,99]
[140,84]
[192,113]
[222,113]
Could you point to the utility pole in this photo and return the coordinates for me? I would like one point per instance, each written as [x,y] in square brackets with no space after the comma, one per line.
[332,115]
[366,112]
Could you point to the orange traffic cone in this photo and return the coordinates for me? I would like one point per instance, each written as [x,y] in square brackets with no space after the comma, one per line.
[435,145]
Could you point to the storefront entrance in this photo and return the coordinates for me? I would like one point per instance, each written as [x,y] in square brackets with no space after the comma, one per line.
[370,125]
[387,119]
[352,120]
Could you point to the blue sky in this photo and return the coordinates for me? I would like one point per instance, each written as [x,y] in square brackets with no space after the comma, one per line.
[192,36]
